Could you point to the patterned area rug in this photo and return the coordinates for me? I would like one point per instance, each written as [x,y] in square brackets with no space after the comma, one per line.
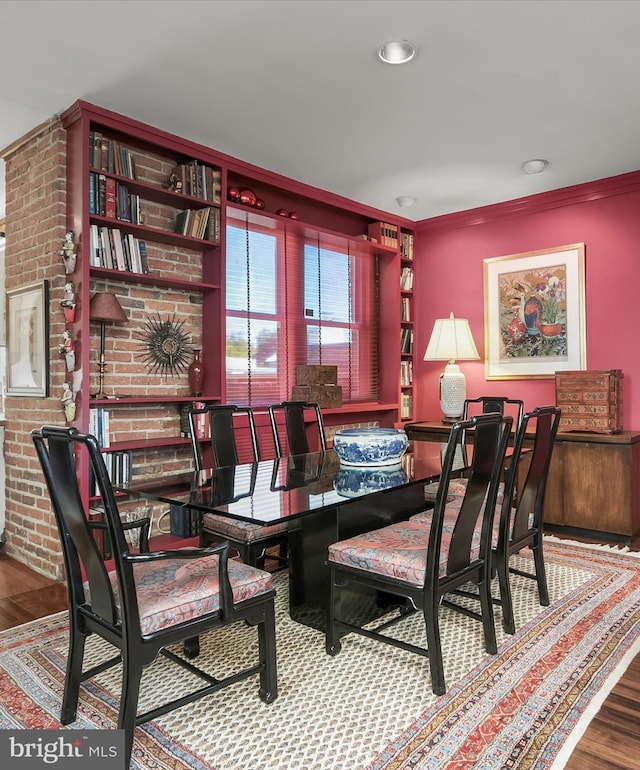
[371,707]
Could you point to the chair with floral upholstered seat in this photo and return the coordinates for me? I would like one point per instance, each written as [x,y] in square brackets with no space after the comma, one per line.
[518,522]
[145,603]
[480,405]
[422,561]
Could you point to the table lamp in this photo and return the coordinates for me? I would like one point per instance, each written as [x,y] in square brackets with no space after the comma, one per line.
[105,307]
[451,341]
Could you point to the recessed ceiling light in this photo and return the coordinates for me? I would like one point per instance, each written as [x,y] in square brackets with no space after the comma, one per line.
[397,51]
[534,166]
[405,200]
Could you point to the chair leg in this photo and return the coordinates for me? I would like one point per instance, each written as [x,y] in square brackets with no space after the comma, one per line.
[541,574]
[506,602]
[131,677]
[488,621]
[267,652]
[73,674]
[433,642]
[332,636]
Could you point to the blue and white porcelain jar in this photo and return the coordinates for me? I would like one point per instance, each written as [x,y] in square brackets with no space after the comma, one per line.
[370,446]
[353,481]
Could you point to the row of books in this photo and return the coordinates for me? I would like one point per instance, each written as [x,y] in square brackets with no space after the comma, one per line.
[99,426]
[384,233]
[111,156]
[406,245]
[108,198]
[199,223]
[406,406]
[406,279]
[198,180]
[406,373]
[110,248]
[406,340]
[405,308]
[118,466]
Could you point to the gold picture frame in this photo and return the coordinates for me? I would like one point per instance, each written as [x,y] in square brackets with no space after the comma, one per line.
[534,317]
[28,340]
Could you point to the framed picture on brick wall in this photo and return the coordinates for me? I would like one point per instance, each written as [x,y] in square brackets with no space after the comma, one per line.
[28,340]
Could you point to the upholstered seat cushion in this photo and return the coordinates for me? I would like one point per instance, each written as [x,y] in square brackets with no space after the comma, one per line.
[240,531]
[457,488]
[424,517]
[397,551]
[172,591]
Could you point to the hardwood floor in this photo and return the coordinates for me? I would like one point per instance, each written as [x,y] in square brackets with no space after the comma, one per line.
[611,742]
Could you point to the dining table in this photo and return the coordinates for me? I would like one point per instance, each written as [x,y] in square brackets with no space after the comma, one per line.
[321,500]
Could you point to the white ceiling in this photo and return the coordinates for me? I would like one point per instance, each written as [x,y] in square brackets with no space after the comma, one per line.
[294,86]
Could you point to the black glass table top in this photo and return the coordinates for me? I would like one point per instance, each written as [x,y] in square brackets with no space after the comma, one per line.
[270,491]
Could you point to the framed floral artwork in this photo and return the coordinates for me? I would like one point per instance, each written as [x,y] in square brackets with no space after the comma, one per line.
[534,321]
[28,340]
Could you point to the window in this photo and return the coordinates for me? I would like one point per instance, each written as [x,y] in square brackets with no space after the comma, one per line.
[296,296]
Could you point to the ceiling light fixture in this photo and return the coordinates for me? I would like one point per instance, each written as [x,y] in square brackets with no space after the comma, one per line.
[534,166]
[405,200]
[397,51]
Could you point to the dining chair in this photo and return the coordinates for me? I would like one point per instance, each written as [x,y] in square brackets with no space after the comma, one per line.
[520,525]
[141,603]
[216,424]
[295,427]
[519,518]
[480,405]
[420,562]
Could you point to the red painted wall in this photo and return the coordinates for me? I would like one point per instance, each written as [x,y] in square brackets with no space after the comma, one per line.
[450,250]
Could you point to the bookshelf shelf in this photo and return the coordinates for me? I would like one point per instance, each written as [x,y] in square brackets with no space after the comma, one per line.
[146,233]
[152,279]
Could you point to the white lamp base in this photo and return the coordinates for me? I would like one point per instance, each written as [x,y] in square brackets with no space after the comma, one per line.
[453,391]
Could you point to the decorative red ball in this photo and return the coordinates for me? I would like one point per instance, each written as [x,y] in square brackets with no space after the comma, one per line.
[233,193]
[293,215]
[282,213]
[248,197]
[259,203]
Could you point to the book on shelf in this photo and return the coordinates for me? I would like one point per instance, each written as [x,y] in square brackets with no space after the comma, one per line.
[99,426]
[197,180]
[406,279]
[406,246]
[406,341]
[405,307]
[108,155]
[406,406]
[109,247]
[406,373]
[203,224]
[384,233]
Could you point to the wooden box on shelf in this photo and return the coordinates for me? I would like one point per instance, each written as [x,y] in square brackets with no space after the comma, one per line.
[323,395]
[316,374]
[591,401]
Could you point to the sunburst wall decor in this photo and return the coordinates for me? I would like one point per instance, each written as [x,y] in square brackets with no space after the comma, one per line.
[166,345]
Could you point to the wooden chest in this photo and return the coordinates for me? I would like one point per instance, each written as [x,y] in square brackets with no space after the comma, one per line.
[323,395]
[591,401]
[316,374]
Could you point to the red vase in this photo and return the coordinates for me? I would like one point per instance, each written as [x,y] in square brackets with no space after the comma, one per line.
[196,374]
[517,329]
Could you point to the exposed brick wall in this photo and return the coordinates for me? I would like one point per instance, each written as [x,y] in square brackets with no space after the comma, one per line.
[35,227]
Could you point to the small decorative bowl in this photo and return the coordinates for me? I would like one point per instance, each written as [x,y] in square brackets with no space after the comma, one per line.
[370,446]
[351,481]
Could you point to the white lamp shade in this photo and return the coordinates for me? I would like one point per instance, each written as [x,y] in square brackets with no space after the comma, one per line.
[451,340]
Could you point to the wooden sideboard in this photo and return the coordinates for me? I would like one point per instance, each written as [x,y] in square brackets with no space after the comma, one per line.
[593,484]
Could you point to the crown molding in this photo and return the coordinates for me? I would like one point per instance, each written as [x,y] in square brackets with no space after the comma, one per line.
[553,199]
